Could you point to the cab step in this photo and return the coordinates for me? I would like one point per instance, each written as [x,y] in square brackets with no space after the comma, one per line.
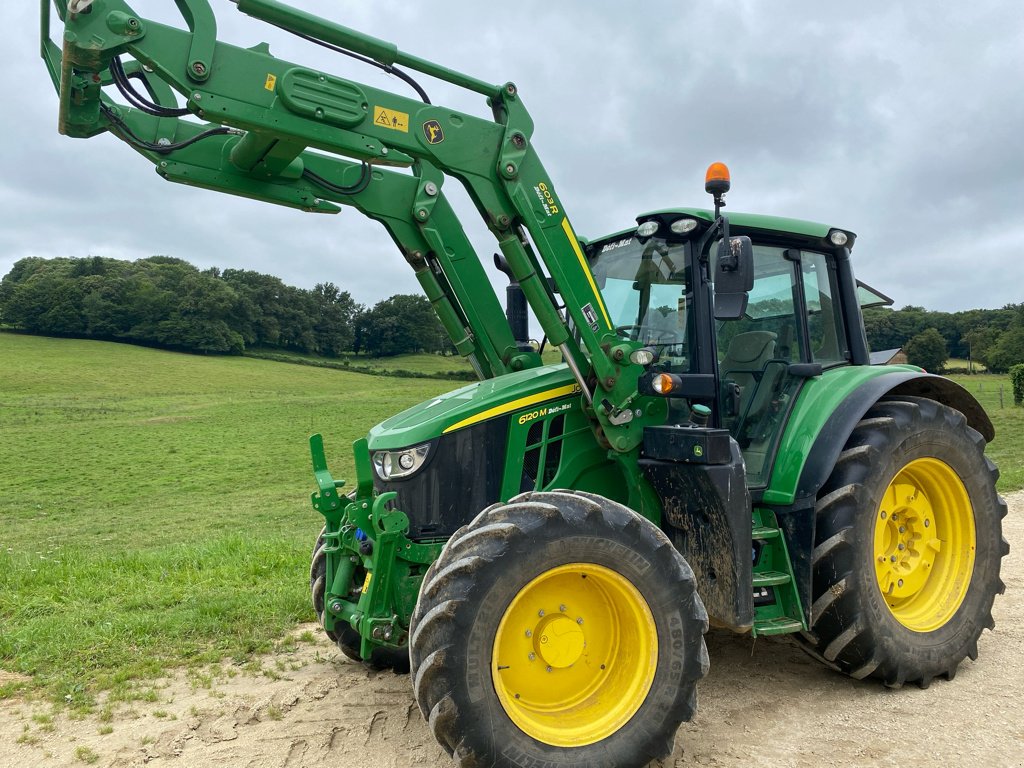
[783,625]
[770,578]
[763,533]
[777,609]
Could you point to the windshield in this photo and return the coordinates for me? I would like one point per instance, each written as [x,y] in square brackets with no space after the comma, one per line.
[645,289]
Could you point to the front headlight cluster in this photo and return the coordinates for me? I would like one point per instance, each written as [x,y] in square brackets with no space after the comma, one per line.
[681,226]
[390,465]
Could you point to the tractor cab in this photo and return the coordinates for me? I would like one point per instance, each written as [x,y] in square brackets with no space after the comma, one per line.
[746,361]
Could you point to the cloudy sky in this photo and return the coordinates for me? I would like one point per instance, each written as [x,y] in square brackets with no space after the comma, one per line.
[901,121]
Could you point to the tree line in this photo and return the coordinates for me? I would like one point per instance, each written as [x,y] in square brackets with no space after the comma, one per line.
[168,302]
[994,337]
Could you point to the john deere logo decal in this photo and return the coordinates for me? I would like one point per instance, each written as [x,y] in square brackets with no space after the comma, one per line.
[432,131]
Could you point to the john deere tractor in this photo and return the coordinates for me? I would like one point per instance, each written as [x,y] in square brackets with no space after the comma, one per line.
[544,549]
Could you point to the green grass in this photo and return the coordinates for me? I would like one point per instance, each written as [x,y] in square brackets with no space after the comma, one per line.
[418,365]
[154,505]
[422,364]
[960,363]
[1007,450]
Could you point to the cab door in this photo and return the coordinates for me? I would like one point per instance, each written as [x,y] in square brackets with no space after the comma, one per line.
[791,330]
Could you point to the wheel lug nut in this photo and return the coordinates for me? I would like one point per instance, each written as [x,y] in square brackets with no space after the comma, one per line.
[893,558]
[549,669]
[540,612]
[903,529]
[901,547]
[532,656]
[579,620]
[899,583]
[883,514]
[927,523]
[529,633]
[562,608]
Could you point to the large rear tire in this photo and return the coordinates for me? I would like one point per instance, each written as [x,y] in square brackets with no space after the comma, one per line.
[558,629]
[908,546]
[346,638]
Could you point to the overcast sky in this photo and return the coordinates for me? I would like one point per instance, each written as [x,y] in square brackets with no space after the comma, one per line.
[903,122]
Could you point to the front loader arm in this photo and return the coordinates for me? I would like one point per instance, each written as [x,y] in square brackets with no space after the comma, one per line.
[287,126]
[439,251]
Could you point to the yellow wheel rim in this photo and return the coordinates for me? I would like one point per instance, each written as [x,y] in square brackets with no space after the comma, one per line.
[575,655]
[924,544]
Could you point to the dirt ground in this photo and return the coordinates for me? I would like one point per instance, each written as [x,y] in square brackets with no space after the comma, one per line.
[764,703]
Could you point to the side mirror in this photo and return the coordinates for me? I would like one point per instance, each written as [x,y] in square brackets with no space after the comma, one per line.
[734,277]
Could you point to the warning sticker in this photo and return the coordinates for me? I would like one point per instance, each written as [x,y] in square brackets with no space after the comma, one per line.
[390,118]
[366,581]
[270,82]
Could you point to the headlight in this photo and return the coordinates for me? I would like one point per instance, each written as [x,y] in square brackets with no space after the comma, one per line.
[838,237]
[391,465]
[682,226]
[647,229]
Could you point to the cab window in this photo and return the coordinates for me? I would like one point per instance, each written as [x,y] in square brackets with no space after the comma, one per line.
[791,317]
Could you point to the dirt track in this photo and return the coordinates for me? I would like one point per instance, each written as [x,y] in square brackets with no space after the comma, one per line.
[764,703]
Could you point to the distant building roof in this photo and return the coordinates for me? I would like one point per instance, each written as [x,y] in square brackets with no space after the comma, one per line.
[887,356]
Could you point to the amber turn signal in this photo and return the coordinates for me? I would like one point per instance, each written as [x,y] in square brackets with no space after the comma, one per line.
[663,383]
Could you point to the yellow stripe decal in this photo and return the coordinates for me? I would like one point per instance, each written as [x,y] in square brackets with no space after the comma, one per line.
[522,402]
[574,241]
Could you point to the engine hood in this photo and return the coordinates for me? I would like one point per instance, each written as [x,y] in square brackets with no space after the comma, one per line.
[473,404]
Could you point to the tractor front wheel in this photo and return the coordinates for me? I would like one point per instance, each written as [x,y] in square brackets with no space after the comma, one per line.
[907,546]
[559,628]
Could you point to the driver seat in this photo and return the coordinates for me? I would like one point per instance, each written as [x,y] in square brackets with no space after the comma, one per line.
[747,352]
[744,361]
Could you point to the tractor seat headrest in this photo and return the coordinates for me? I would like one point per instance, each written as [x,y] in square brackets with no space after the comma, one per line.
[751,346]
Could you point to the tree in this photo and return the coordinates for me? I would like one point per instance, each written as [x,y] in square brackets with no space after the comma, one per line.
[980,343]
[1017,379]
[1008,350]
[927,350]
[334,319]
[402,324]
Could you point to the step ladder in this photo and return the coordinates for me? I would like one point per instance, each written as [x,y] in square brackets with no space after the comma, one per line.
[777,609]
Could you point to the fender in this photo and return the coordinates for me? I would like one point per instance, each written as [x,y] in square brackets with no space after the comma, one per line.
[796,520]
[833,436]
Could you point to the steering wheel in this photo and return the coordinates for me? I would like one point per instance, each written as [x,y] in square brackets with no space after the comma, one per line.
[650,334]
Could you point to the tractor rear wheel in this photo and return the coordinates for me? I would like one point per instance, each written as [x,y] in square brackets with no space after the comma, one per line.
[560,629]
[908,545]
[346,638]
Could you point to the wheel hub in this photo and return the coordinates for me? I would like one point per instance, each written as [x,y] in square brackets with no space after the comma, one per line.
[574,655]
[559,641]
[909,543]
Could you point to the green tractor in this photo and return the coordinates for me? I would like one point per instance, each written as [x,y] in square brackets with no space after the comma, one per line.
[543,550]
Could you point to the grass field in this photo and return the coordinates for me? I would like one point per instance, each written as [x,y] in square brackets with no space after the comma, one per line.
[422,364]
[1007,450]
[960,363]
[154,506]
